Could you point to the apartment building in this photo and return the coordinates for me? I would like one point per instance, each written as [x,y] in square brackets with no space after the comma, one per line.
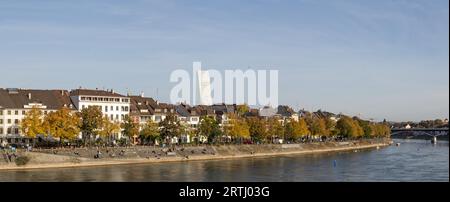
[15,103]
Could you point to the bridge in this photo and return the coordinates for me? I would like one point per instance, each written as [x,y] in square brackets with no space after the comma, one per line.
[423,132]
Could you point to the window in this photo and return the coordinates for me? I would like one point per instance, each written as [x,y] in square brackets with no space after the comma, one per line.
[9,121]
[45,112]
[1,121]
[117,108]
[117,100]
[1,130]
[9,112]
[1,112]
[112,117]
[117,117]
[23,112]
[106,108]
[82,106]
[16,131]
[16,112]
[16,121]
[112,108]
[8,131]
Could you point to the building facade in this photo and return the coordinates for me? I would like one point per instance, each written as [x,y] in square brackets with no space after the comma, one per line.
[15,103]
[114,106]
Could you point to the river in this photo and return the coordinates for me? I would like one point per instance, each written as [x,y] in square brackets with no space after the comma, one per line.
[413,160]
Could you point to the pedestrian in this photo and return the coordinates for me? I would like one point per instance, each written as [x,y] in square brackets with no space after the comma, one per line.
[9,156]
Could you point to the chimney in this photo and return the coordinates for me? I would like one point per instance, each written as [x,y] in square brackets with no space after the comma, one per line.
[29,96]
[142,93]
[62,92]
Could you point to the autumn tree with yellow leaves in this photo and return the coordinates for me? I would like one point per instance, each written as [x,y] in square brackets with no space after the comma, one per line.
[32,123]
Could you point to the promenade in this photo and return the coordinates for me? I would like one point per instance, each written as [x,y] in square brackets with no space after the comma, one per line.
[78,157]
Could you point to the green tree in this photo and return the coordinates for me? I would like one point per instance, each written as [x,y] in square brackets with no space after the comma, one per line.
[91,122]
[150,131]
[170,127]
[257,129]
[366,127]
[209,128]
[349,128]
[32,123]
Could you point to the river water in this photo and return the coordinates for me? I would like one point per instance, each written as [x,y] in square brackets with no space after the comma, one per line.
[413,160]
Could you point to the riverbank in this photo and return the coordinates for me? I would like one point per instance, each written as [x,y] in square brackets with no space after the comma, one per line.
[66,158]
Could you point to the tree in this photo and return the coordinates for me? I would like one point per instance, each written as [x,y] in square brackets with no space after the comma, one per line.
[150,131]
[170,127]
[349,128]
[296,129]
[109,128]
[366,126]
[237,127]
[209,127]
[257,129]
[289,130]
[381,130]
[331,126]
[62,124]
[275,128]
[91,122]
[130,128]
[318,127]
[242,109]
[32,124]
[302,127]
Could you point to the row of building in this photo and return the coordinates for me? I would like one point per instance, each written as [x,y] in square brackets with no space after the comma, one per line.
[14,103]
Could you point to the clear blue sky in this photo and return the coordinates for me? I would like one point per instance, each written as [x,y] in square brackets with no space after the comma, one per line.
[381,59]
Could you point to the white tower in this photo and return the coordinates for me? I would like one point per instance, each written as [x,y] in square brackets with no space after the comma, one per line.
[204,81]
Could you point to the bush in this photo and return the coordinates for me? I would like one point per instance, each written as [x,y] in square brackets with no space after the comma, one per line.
[22,160]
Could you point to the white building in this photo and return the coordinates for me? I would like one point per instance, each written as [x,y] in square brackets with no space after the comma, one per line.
[204,81]
[113,105]
[15,103]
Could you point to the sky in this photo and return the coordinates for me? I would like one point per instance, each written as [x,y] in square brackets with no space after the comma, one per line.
[386,59]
